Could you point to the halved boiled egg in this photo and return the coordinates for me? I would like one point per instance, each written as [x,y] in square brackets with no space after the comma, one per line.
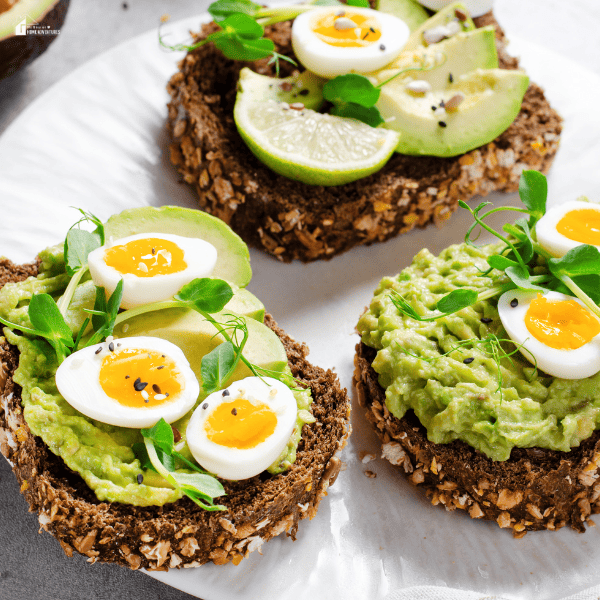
[331,41]
[238,432]
[569,225]
[554,331]
[130,382]
[153,266]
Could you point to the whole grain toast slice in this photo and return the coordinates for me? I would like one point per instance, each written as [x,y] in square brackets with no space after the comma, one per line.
[180,534]
[293,220]
[534,489]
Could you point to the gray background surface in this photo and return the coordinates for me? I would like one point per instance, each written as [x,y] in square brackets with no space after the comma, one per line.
[32,565]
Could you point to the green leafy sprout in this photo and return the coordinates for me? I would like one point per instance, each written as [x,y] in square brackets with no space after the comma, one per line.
[203,295]
[242,24]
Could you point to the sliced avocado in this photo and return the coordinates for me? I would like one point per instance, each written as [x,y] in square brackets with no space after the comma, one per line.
[18,48]
[305,87]
[197,337]
[233,259]
[246,304]
[458,55]
[439,19]
[410,11]
[492,100]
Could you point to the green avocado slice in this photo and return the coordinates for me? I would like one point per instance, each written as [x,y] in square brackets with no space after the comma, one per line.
[233,258]
[410,11]
[492,100]
[196,337]
[440,18]
[456,56]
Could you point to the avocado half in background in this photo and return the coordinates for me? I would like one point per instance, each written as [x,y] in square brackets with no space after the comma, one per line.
[16,51]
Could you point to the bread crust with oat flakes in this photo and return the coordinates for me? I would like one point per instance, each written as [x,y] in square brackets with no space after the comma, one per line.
[180,534]
[534,489]
[292,220]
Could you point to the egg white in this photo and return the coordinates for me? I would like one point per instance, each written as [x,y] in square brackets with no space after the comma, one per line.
[476,8]
[329,61]
[77,380]
[199,255]
[234,463]
[566,364]
[545,229]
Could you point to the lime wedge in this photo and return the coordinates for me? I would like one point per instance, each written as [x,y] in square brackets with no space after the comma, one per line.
[302,144]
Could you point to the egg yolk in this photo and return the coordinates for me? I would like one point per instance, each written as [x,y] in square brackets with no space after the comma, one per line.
[581,225]
[146,257]
[240,424]
[336,30]
[135,377]
[561,324]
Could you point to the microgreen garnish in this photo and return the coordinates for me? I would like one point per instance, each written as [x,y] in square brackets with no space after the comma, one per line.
[104,315]
[354,96]
[158,453]
[577,273]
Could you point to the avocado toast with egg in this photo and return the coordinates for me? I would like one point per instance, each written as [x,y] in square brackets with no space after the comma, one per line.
[296,220]
[138,497]
[479,368]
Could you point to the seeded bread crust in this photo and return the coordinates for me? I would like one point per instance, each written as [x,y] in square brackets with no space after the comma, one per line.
[292,220]
[534,489]
[178,534]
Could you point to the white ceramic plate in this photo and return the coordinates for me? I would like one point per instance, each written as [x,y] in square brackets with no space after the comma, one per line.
[96,140]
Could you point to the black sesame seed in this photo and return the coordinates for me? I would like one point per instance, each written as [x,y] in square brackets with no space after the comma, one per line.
[147,400]
[111,347]
[139,385]
[226,393]
[450,78]
[514,303]
[304,92]
[126,376]
[205,405]
[442,124]
[153,251]
[161,367]
[382,47]
[140,478]
[442,104]
[371,30]
[163,355]
[486,320]
[469,360]
[434,108]
[234,411]
[156,389]
[99,350]
[118,345]
[167,394]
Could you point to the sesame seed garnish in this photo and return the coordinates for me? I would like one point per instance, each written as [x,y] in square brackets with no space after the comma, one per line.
[140,478]
[442,104]
[153,251]
[139,385]
[118,345]
[514,303]
[161,367]
[366,35]
[469,360]
[125,327]
[486,320]
[156,389]
[371,30]
[98,350]
[304,92]
[434,108]
[273,392]
[111,347]
[160,397]
[176,434]
[126,376]
[442,124]
[234,411]
[226,393]
[205,405]
[167,394]
[145,396]
[451,78]
[382,47]
[163,355]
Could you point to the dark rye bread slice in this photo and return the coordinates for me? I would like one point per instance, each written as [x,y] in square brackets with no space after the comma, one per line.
[178,534]
[534,489]
[292,220]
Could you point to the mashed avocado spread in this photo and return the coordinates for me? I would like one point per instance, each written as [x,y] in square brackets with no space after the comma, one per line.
[102,454]
[493,402]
